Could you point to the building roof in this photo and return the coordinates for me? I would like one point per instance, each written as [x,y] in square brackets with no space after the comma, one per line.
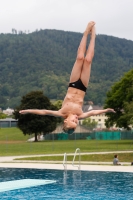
[8,119]
[79,129]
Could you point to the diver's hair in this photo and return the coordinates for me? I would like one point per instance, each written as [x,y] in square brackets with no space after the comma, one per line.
[68,130]
[65,129]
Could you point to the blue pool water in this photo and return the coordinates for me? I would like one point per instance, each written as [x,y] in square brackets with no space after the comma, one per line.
[72,185]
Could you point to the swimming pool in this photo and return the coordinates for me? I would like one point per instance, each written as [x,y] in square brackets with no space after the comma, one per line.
[71,185]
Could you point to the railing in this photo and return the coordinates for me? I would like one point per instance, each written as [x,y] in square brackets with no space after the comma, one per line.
[77,150]
[65,161]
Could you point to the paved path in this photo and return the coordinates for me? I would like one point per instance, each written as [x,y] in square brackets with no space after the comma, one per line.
[11,158]
[9,162]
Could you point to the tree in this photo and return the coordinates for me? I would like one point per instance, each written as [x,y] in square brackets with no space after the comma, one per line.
[2,115]
[120,97]
[129,112]
[30,123]
[58,104]
[89,124]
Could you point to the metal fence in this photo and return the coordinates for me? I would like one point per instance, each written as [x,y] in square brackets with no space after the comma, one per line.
[115,135]
[8,122]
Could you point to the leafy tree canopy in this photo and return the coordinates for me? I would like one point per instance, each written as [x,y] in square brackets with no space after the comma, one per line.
[120,97]
[89,124]
[58,104]
[3,116]
[31,123]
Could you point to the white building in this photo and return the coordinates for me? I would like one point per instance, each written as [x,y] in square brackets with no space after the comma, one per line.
[8,111]
[100,119]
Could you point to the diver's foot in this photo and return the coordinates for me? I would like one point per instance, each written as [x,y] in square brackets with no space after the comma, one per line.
[89,27]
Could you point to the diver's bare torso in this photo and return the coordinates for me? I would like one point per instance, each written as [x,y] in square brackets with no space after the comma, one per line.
[72,103]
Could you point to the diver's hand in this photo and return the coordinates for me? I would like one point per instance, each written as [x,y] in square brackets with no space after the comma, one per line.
[110,110]
[23,111]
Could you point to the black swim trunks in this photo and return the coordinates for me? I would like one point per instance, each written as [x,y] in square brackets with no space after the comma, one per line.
[78,84]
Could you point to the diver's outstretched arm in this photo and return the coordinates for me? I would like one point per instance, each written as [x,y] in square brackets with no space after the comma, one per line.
[95,112]
[41,112]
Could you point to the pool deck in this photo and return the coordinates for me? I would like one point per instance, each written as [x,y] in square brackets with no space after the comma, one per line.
[69,167]
[9,162]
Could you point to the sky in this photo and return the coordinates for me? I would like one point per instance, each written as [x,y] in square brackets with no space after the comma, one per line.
[112,17]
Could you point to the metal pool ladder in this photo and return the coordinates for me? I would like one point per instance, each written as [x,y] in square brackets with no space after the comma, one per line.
[77,150]
[65,161]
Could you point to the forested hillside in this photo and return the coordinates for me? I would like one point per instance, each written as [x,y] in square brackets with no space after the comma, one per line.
[43,60]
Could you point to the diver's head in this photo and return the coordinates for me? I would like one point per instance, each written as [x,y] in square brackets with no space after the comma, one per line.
[70,123]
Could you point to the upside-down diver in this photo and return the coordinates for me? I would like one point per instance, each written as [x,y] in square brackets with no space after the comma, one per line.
[71,109]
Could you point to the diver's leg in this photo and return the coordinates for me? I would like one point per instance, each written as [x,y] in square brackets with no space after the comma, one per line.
[85,74]
[77,68]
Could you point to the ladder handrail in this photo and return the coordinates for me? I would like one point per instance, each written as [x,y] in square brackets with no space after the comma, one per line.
[65,161]
[74,159]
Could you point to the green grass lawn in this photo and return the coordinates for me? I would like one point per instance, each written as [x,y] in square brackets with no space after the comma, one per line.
[124,157]
[12,134]
[13,142]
